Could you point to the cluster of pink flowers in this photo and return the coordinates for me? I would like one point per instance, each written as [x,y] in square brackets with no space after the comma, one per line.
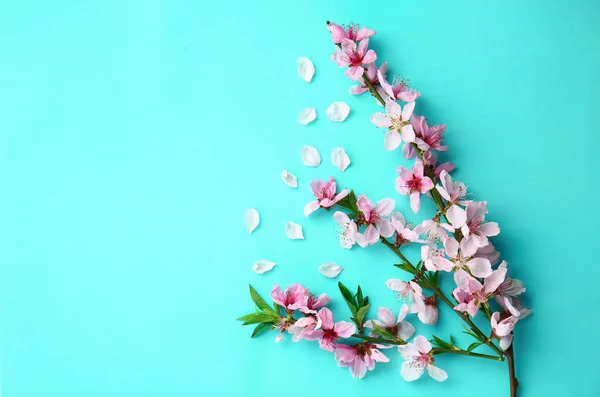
[455,240]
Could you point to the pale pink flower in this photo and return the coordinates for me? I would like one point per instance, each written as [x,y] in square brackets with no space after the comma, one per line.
[360,358]
[354,57]
[410,293]
[375,215]
[398,90]
[330,332]
[513,306]
[325,192]
[434,258]
[462,258]
[303,325]
[502,329]
[349,230]
[315,302]
[413,183]
[404,235]
[453,192]
[387,321]
[431,158]
[294,297]
[396,120]
[470,293]
[372,74]
[434,230]
[429,314]
[476,232]
[418,358]
[353,32]
[488,252]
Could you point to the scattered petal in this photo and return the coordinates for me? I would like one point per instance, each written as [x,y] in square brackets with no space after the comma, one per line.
[307,115]
[262,266]
[330,269]
[340,159]
[252,219]
[306,69]
[289,179]
[310,156]
[294,231]
[338,111]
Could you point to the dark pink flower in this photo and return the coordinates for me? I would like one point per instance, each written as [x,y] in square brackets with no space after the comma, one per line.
[294,297]
[398,90]
[353,32]
[330,332]
[325,192]
[360,358]
[354,57]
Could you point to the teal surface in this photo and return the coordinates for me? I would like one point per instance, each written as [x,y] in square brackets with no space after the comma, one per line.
[134,135]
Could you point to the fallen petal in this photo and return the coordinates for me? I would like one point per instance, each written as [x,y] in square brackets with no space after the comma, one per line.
[262,266]
[289,179]
[306,69]
[338,111]
[294,231]
[310,156]
[307,115]
[330,269]
[340,159]
[252,219]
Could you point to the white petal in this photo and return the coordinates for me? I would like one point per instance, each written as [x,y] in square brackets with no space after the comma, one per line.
[262,266]
[294,231]
[338,111]
[306,69]
[330,269]
[437,373]
[307,116]
[340,159]
[411,372]
[310,156]
[252,219]
[289,179]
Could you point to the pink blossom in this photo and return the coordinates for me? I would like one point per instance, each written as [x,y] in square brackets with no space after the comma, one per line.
[313,303]
[325,192]
[410,292]
[302,326]
[431,158]
[418,358]
[453,192]
[488,252]
[429,314]
[434,230]
[513,306]
[375,215]
[476,232]
[330,332]
[404,235]
[294,297]
[360,358]
[462,258]
[502,329]
[353,32]
[349,230]
[372,74]
[387,321]
[470,294]
[413,183]
[396,120]
[354,57]
[398,90]
[434,259]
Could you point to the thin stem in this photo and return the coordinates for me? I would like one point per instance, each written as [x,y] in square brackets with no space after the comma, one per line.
[514,383]
[373,89]
[439,350]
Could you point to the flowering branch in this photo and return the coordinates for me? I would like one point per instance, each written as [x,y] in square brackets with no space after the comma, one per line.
[456,240]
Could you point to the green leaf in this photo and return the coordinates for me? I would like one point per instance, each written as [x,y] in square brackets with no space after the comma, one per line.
[359,296]
[383,332]
[440,343]
[346,293]
[474,346]
[452,340]
[277,308]
[255,318]
[262,305]
[260,328]
[349,202]
[362,312]
[406,267]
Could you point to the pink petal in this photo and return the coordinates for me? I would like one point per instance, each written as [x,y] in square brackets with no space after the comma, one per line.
[408,133]
[326,318]
[480,267]
[415,201]
[381,120]
[311,207]
[408,111]
[422,344]
[337,32]
[392,140]
[364,33]
[354,72]
[386,316]
[370,56]
[385,206]
[344,329]
[456,215]
[490,229]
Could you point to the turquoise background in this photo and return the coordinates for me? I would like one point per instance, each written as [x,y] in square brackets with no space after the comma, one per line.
[134,134]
